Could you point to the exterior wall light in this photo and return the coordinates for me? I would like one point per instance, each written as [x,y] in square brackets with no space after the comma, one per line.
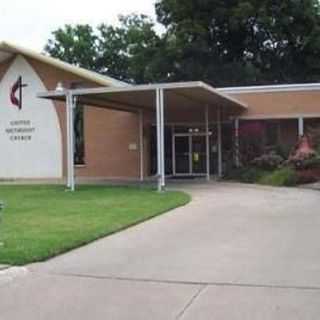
[59,86]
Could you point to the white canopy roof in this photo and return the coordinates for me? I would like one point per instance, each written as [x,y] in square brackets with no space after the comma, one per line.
[130,98]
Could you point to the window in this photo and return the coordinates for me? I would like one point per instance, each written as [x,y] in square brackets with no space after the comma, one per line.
[79,154]
[272,133]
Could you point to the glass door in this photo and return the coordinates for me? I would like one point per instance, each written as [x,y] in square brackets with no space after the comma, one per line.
[182,159]
[190,154]
[199,154]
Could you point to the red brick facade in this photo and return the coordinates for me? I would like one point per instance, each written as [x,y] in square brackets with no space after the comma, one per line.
[109,133]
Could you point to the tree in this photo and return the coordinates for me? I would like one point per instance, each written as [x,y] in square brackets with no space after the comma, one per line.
[127,52]
[225,43]
[244,41]
[76,45]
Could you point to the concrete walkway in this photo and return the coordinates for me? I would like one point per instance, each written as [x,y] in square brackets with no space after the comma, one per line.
[236,252]
[312,186]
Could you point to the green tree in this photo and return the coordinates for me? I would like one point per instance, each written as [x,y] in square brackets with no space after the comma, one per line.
[76,45]
[127,52]
[243,41]
[234,42]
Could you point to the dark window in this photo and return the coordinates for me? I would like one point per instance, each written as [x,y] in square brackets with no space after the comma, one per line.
[272,133]
[79,154]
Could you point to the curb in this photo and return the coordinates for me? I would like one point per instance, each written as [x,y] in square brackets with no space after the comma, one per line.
[9,274]
[4,267]
[310,187]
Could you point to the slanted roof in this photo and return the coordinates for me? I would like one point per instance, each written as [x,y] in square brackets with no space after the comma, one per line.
[7,50]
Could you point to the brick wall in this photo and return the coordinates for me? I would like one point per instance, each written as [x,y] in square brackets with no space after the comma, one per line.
[108,133]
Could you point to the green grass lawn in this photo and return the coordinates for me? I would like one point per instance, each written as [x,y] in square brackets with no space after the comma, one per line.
[42,221]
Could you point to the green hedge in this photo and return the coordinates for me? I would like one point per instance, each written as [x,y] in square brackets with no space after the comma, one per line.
[246,174]
[281,177]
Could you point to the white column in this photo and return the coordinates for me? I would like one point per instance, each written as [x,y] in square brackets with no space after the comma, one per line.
[219,142]
[236,142]
[72,142]
[141,146]
[68,138]
[207,141]
[163,168]
[190,154]
[173,150]
[160,139]
[70,104]
[158,136]
[301,126]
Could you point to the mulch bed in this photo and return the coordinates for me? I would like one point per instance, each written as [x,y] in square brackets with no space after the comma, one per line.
[308,175]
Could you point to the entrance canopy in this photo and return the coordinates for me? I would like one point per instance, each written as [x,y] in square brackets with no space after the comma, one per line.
[131,98]
[156,98]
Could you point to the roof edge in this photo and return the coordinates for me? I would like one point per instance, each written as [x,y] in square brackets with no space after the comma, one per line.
[271,88]
[143,87]
[81,72]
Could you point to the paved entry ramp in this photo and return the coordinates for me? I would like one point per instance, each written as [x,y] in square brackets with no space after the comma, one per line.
[235,252]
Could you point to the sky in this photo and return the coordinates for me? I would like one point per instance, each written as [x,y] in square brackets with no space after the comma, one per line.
[29,23]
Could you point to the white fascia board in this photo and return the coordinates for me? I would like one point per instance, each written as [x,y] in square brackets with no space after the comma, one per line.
[153,87]
[129,88]
[52,94]
[141,87]
[280,116]
[271,88]
[223,95]
[81,72]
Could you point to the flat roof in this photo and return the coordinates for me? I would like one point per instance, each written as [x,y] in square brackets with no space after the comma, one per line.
[297,87]
[129,98]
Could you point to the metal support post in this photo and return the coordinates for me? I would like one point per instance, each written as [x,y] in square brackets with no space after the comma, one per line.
[219,142]
[141,146]
[207,141]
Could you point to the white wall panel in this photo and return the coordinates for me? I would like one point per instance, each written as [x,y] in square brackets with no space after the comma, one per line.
[30,138]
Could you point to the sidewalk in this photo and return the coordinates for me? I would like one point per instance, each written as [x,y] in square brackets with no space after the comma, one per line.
[312,186]
[235,252]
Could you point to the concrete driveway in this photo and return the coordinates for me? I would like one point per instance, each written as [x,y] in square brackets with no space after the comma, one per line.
[235,252]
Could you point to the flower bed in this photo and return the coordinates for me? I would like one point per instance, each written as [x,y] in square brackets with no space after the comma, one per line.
[308,175]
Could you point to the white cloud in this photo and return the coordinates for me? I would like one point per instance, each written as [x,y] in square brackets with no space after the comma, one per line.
[29,23]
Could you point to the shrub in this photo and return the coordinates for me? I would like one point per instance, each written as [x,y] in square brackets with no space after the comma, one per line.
[311,163]
[250,146]
[307,176]
[306,163]
[315,137]
[268,161]
[281,177]
[283,150]
[246,174]
[302,153]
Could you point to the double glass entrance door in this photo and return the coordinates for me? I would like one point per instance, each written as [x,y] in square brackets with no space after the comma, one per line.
[189,154]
